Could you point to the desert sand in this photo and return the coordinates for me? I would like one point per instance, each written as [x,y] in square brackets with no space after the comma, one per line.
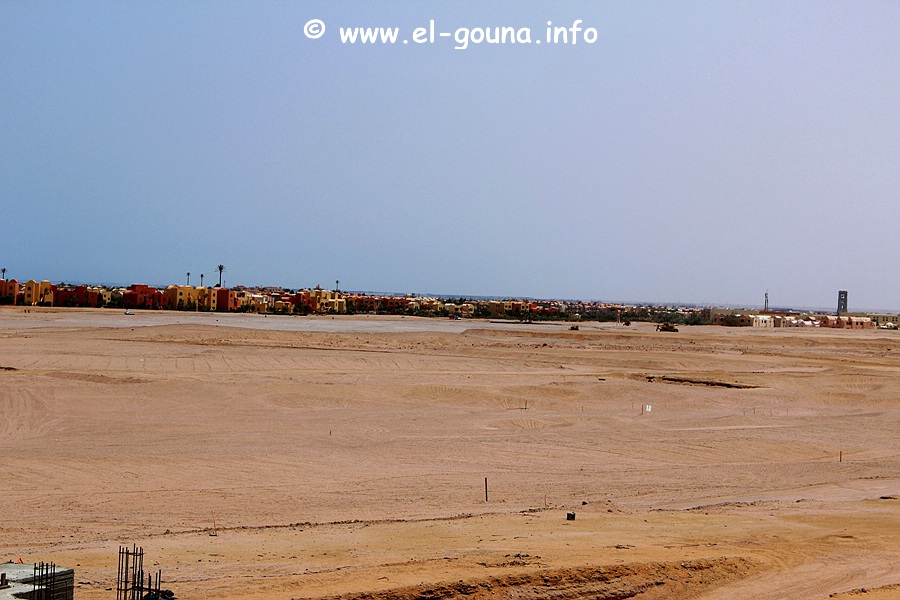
[347,457]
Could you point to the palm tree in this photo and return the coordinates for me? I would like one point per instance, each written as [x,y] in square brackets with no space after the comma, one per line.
[201,279]
[4,272]
[189,278]
[220,268]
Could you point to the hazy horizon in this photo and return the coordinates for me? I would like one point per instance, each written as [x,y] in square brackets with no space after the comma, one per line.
[625,302]
[695,152]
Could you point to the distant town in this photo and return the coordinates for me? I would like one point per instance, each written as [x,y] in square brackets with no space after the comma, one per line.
[319,301]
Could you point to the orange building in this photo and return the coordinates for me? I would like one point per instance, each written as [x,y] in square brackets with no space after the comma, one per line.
[363,303]
[184,297]
[394,304]
[9,288]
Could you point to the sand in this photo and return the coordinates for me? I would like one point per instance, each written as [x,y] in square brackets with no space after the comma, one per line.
[347,457]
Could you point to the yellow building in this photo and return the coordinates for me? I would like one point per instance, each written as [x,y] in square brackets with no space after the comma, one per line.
[284,307]
[463,310]
[259,303]
[206,299]
[38,293]
[322,301]
[184,297]
[495,308]
[104,295]
[30,292]
[431,304]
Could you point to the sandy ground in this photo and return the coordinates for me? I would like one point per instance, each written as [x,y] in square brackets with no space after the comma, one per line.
[347,457]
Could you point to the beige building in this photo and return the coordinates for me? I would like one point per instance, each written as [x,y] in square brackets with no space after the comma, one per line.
[251,302]
[733,319]
[745,318]
[884,319]
[846,322]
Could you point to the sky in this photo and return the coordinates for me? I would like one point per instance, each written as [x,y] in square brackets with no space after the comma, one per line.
[690,152]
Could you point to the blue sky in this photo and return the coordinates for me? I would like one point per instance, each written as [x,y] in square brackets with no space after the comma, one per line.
[697,152]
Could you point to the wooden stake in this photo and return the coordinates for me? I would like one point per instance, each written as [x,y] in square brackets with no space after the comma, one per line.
[215,531]
[485,490]
[841,456]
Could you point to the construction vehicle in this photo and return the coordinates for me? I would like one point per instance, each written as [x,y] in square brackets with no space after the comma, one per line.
[667,327]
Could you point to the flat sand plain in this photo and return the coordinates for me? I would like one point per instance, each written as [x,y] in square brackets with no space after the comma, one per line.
[347,457]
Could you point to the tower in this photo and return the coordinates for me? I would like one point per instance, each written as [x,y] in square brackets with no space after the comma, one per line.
[842,302]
